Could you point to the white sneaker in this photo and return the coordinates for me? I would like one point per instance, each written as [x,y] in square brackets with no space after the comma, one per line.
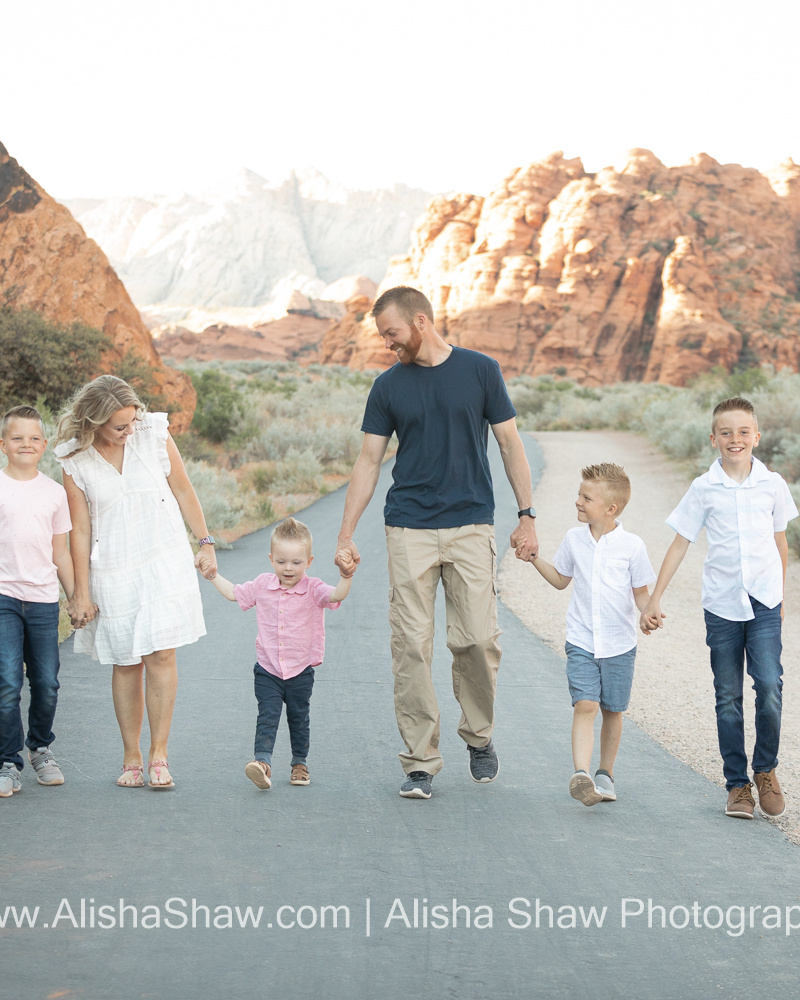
[44,764]
[9,780]
[582,788]
[604,784]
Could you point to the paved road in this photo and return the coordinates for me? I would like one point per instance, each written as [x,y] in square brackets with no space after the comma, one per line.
[349,838]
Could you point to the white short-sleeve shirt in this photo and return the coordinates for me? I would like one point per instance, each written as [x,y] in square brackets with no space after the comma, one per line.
[740,521]
[601,617]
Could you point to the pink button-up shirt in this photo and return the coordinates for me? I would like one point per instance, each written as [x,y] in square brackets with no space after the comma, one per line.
[291,630]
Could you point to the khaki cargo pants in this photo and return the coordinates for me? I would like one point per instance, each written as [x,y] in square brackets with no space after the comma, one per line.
[465,560]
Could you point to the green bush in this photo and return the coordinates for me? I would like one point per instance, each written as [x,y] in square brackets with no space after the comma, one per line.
[218,405]
[43,360]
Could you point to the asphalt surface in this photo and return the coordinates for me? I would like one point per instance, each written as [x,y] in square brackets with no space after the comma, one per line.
[337,866]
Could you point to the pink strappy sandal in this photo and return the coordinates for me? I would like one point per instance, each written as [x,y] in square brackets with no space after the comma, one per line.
[138,776]
[158,766]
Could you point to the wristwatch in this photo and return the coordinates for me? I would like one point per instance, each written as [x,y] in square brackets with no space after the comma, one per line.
[526,512]
[208,540]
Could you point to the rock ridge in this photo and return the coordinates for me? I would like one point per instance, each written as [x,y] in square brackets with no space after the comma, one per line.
[638,272]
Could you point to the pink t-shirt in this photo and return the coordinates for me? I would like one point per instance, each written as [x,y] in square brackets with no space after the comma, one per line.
[31,512]
[291,631]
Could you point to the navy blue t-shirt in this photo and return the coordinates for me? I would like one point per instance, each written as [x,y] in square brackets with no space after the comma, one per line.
[441,415]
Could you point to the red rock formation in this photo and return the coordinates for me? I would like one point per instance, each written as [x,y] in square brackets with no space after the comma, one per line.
[49,265]
[638,272]
[293,337]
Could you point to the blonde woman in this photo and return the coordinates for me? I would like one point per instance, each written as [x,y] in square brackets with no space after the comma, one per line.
[129,495]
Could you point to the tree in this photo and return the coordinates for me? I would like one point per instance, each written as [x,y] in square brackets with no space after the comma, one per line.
[43,360]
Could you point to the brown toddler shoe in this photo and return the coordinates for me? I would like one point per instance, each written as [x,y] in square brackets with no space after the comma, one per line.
[300,775]
[259,773]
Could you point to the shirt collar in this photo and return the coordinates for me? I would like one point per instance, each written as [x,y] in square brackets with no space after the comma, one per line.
[301,587]
[719,477]
[614,534]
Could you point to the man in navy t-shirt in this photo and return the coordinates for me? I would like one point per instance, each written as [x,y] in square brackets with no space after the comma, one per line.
[440,401]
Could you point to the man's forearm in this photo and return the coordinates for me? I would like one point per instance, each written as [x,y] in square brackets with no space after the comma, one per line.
[515,462]
[363,481]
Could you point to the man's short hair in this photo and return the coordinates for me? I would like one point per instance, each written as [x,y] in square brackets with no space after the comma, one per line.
[290,530]
[728,405]
[615,480]
[408,301]
[20,413]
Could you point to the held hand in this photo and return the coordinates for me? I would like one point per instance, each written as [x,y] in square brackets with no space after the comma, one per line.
[524,540]
[349,546]
[81,611]
[346,563]
[651,619]
[206,562]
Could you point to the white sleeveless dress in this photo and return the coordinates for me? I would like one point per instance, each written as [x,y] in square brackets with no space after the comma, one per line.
[142,575]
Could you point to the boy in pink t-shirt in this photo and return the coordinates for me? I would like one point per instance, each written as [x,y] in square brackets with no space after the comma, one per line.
[290,643]
[34,521]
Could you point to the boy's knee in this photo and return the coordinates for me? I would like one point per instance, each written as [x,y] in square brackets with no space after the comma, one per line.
[584,707]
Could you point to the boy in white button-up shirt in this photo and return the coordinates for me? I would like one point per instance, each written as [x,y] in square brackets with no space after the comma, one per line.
[611,572]
[745,509]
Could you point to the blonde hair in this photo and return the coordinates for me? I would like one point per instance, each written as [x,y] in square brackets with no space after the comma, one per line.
[617,484]
[290,530]
[92,406]
[20,413]
[734,404]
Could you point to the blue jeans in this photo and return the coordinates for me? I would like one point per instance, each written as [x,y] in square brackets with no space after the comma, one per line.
[29,635]
[760,639]
[272,693]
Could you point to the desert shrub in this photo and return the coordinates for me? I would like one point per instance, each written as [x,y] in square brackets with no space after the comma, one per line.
[43,360]
[218,493]
[298,471]
[218,405]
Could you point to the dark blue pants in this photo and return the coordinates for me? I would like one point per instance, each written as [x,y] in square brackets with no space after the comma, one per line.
[272,693]
[729,641]
[29,635]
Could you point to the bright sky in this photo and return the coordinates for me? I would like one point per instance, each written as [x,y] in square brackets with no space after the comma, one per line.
[158,96]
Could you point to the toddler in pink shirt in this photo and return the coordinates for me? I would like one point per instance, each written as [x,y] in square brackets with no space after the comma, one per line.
[290,644]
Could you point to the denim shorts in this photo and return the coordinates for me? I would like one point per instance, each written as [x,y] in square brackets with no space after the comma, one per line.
[607,681]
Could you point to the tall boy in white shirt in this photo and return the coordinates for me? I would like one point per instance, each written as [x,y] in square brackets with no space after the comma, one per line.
[745,509]
[611,572]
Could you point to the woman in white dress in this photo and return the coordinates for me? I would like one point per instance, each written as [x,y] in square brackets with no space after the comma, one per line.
[128,495]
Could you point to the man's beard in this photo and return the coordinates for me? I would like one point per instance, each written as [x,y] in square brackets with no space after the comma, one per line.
[408,352]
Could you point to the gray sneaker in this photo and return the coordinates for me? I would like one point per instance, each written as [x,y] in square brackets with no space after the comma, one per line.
[44,764]
[417,785]
[9,780]
[604,784]
[582,788]
[483,763]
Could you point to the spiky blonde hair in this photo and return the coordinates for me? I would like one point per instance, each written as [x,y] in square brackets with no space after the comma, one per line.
[615,480]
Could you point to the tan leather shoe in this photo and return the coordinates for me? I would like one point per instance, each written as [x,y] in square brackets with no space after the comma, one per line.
[770,797]
[741,803]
